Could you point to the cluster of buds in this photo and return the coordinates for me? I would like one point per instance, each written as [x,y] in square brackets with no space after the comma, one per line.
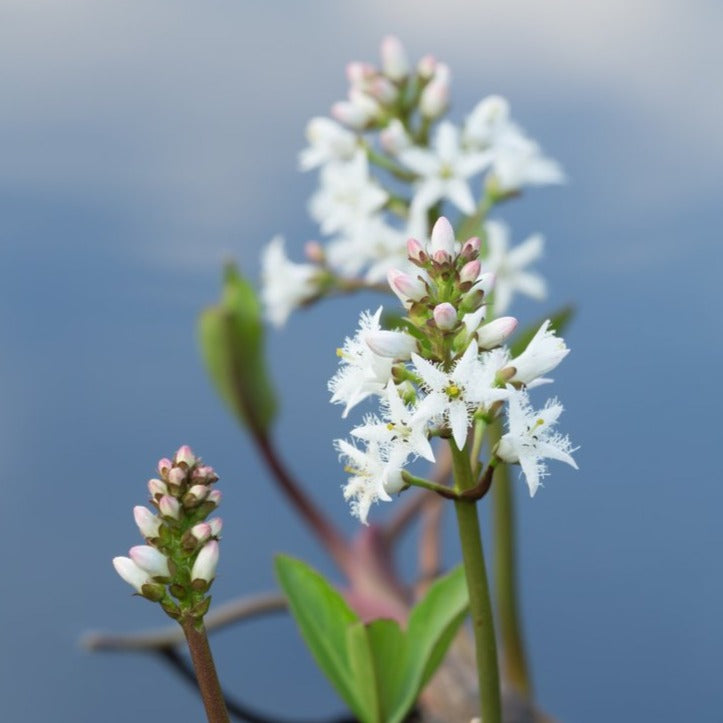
[177,565]
[439,375]
[447,300]
[393,90]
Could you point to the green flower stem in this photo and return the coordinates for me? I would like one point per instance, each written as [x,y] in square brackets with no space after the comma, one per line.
[479,597]
[205,668]
[514,659]
[480,425]
[385,162]
[426,484]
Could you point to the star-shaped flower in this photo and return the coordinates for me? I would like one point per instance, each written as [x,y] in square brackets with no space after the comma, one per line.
[454,396]
[444,170]
[530,438]
[362,372]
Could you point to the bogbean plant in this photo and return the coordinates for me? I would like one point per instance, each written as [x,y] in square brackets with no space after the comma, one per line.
[394,173]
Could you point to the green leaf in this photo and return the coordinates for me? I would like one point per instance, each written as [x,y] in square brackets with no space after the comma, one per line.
[231,336]
[324,620]
[433,623]
[558,323]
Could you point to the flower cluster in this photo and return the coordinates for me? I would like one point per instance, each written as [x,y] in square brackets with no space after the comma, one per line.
[441,372]
[178,563]
[389,163]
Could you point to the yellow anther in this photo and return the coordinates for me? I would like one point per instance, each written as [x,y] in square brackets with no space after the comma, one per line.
[453,391]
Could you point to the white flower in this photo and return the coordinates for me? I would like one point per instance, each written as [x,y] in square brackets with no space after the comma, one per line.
[519,161]
[285,284]
[444,170]
[509,266]
[544,352]
[530,438]
[135,576]
[348,195]
[454,396]
[328,142]
[397,427]
[147,522]
[150,560]
[204,568]
[488,122]
[373,476]
[362,372]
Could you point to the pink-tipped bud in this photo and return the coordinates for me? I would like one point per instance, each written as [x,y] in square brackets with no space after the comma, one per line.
[358,73]
[395,63]
[442,238]
[177,476]
[147,522]
[471,248]
[493,334]
[200,492]
[472,321]
[216,526]
[205,566]
[314,251]
[214,496]
[169,507]
[391,344]
[202,531]
[406,287]
[204,475]
[426,67]
[350,115]
[485,282]
[150,560]
[434,99]
[394,138]
[415,251]
[383,91]
[445,316]
[157,487]
[441,257]
[131,573]
[470,271]
[185,456]
[164,465]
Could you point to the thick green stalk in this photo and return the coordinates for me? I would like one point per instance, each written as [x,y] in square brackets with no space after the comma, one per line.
[514,659]
[480,604]
[205,668]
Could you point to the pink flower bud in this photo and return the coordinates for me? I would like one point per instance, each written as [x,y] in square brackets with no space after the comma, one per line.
[442,238]
[395,63]
[147,522]
[415,251]
[157,487]
[177,476]
[406,287]
[200,492]
[470,271]
[169,507]
[358,73]
[471,247]
[426,67]
[204,568]
[214,496]
[350,115]
[445,316]
[434,99]
[383,91]
[391,344]
[184,455]
[485,283]
[202,531]
[130,572]
[150,560]
[164,465]
[204,474]
[314,251]
[494,333]
[216,526]
[394,138]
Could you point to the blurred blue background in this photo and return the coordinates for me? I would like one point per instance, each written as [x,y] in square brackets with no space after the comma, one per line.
[143,143]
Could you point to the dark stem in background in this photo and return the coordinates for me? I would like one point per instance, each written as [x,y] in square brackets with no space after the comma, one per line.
[514,659]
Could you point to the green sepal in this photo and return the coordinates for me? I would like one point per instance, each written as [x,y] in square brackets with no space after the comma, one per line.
[231,336]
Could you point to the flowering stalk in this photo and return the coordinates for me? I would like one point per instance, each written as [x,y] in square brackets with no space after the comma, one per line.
[177,566]
[480,603]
